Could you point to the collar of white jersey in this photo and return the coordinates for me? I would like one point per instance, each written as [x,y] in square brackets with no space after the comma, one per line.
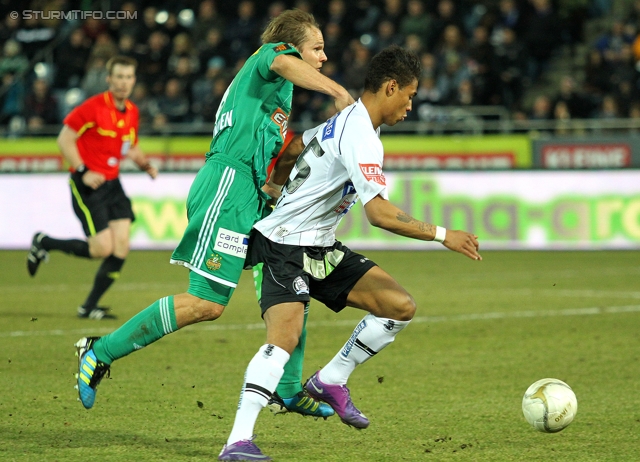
[359,106]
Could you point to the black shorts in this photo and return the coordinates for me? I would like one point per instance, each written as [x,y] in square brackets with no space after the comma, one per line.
[96,208]
[291,273]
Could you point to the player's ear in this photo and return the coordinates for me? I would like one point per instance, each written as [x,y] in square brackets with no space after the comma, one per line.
[391,87]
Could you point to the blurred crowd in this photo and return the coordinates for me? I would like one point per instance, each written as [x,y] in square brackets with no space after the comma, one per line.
[473,52]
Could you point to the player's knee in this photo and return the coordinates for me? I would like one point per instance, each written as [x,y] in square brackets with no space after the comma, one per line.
[100,246]
[288,341]
[405,307]
[121,248]
[204,310]
[100,251]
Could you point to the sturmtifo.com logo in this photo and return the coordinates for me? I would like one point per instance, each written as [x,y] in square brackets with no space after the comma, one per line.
[74,15]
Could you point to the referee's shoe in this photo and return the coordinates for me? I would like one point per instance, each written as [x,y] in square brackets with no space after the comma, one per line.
[36,254]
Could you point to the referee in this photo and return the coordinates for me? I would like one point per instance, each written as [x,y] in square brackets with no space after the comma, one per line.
[95,137]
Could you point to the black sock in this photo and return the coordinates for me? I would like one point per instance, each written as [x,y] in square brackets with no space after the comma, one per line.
[71,246]
[108,272]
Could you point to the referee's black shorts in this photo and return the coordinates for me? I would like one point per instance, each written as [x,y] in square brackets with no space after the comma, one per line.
[96,208]
[291,273]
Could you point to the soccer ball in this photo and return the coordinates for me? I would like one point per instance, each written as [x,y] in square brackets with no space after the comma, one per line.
[549,405]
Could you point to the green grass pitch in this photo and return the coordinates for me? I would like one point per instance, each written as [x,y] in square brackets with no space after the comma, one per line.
[448,389]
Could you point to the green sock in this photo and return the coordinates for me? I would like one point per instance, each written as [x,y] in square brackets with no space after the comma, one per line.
[151,324]
[291,381]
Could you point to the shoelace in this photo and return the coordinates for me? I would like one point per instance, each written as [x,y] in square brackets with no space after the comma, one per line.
[99,373]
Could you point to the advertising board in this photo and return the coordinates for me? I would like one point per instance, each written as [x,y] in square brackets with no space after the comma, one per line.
[507,210]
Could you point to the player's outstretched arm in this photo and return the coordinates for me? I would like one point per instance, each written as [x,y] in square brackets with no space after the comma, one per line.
[304,75]
[383,214]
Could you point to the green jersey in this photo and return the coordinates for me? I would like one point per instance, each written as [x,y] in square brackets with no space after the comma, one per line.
[251,122]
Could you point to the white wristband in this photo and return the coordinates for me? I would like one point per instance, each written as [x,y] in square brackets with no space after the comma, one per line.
[441,234]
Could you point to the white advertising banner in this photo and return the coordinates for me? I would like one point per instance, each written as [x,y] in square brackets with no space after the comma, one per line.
[507,210]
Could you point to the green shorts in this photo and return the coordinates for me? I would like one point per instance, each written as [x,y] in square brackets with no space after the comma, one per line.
[222,207]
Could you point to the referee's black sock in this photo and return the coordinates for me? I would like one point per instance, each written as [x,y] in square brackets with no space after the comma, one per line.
[75,247]
[108,272]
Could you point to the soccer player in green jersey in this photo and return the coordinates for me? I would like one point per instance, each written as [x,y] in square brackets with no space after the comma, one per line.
[228,195]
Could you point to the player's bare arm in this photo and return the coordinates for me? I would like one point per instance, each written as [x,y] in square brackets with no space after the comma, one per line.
[383,214]
[424,227]
[67,144]
[304,75]
[286,161]
[283,166]
[136,155]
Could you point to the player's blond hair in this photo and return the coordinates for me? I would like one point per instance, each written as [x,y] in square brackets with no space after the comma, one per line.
[291,26]
[122,60]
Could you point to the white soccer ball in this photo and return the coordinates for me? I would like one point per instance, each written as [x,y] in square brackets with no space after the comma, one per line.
[549,405]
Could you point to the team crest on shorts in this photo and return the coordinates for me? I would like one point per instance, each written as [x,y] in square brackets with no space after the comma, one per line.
[214,262]
[299,286]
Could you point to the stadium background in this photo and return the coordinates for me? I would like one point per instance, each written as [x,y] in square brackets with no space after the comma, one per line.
[547,90]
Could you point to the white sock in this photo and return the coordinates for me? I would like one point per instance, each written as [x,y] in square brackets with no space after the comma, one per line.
[260,380]
[370,336]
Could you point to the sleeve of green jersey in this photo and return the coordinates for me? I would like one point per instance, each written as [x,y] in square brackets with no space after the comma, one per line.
[268,53]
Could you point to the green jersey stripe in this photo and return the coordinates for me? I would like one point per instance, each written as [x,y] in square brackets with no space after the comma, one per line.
[204,236]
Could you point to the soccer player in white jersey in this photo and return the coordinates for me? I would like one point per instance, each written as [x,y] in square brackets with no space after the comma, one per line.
[341,162]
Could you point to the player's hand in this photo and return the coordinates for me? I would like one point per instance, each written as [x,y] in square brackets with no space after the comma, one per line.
[463,242]
[274,193]
[343,101]
[150,169]
[93,179]
[152,172]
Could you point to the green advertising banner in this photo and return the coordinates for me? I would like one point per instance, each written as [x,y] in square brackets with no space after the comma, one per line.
[488,152]
[507,210]
[527,210]
[491,152]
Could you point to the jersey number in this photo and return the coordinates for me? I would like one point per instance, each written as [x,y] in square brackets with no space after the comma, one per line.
[303,168]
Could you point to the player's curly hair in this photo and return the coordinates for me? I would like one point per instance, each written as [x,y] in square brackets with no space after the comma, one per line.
[395,63]
[290,26]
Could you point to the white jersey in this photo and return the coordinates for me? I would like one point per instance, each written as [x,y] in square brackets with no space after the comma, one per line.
[342,161]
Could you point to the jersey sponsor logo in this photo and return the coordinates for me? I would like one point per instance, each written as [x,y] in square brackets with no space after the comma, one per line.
[214,262]
[348,189]
[223,121]
[348,198]
[299,286]
[344,206]
[281,47]
[373,172]
[329,129]
[231,243]
[281,120]
[349,345]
